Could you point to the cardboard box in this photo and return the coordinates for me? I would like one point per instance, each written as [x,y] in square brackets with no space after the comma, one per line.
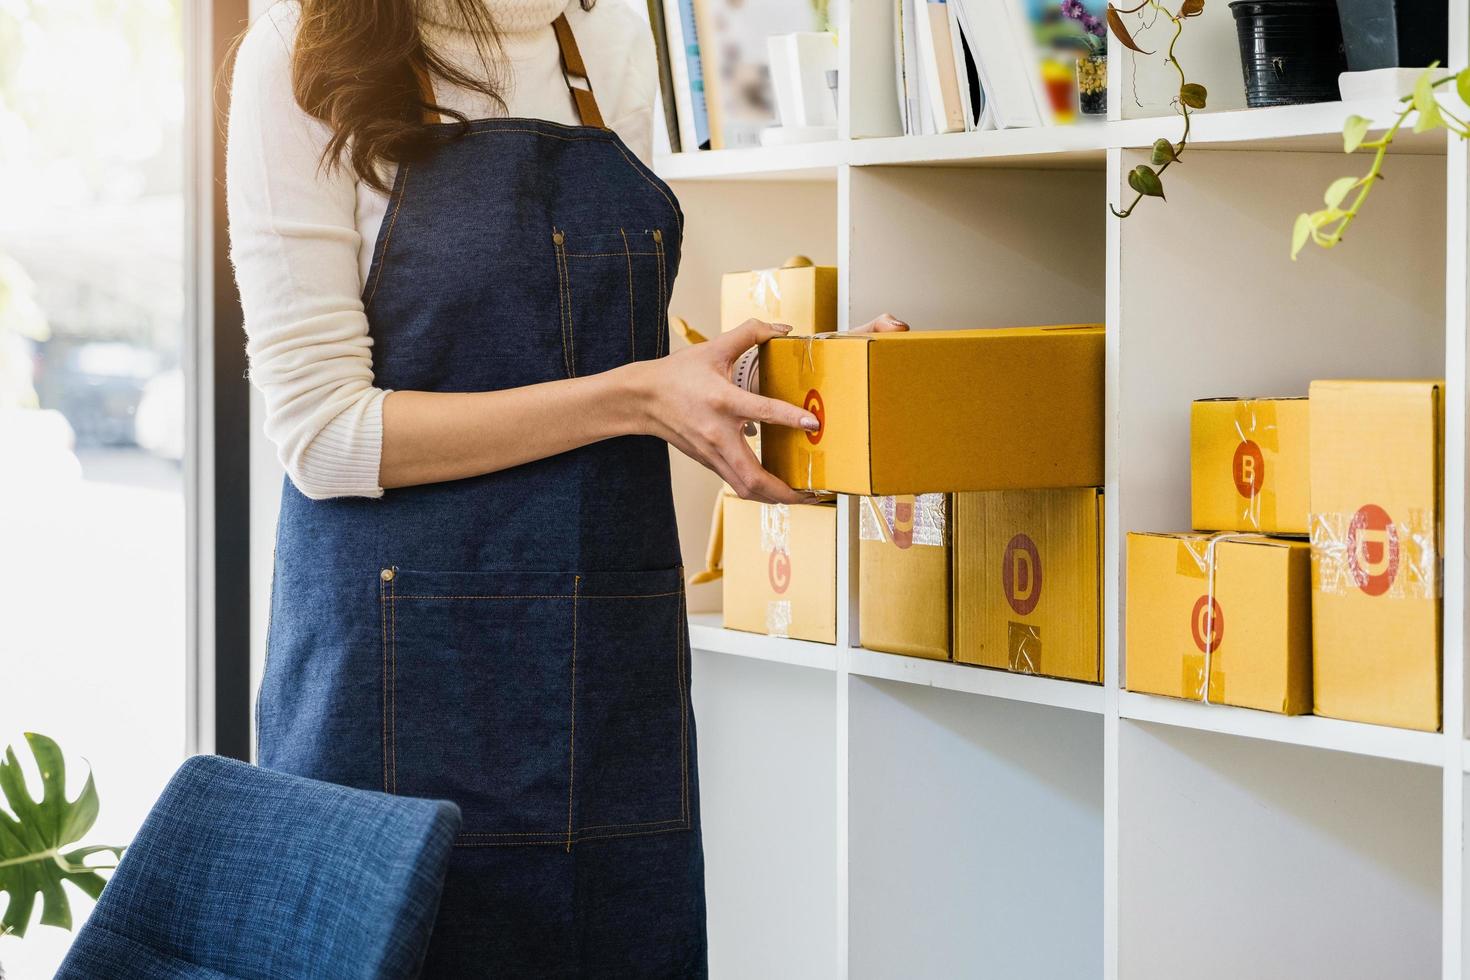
[801,294]
[1248,465]
[1377,472]
[903,574]
[939,411]
[1251,634]
[1028,581]
[781,569]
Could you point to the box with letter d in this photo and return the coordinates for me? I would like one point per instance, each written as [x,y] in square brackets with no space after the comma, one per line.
[1377,460]
[1027,581]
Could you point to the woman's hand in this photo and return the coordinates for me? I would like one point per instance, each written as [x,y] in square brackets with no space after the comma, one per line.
[690,402]
[887,323]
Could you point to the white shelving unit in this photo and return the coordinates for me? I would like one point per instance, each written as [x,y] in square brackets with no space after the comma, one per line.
[874,816]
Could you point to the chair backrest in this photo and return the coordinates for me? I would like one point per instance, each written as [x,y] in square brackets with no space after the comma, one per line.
[244,873]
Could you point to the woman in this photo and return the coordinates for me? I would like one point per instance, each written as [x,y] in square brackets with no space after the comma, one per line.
[455,267]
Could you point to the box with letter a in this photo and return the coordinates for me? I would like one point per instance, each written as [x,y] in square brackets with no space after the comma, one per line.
[1377,471]
[1248,465]
[780,567]
[903,576]
[1027,581]
[1233,608]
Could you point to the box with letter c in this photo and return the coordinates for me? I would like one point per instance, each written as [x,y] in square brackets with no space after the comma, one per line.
[780,569]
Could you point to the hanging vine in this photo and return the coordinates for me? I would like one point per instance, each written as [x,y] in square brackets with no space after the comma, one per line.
[1146,179]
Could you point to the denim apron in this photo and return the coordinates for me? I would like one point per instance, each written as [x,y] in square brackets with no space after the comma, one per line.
[515,642]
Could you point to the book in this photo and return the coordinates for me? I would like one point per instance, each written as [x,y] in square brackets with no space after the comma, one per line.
[999,32]
[937,66]
[670,115]
[687,70]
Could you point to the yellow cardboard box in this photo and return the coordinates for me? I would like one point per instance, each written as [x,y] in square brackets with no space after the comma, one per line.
[1028,581]
[939,411]
[799,293]
[1377,473]
[1248,465]
[781,569]
[1251,634]
[903,574]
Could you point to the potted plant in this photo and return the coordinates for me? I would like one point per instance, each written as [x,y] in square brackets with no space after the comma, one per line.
[1394,33]
[35,835]
[1290,50]
[1092,63]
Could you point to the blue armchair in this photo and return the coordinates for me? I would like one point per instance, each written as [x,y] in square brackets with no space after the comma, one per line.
[241,873]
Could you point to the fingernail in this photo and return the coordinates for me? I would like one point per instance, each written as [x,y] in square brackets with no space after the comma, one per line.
[810,423]
[781,327]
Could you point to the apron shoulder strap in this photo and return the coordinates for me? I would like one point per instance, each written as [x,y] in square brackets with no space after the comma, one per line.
[574,69]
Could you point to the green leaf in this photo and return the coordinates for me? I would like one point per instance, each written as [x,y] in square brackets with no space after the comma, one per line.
[1119,30]
[1462,86]
[1301,233]
[1354,131]
[1424,102]
[1143,180]
[1163,152]
[33,834]
[1338,189]
[1193,95]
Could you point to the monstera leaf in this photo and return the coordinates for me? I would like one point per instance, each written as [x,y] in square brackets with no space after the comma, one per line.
[32,861]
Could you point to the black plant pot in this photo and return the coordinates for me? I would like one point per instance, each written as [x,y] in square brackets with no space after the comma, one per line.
[1394,33]
[1290,50]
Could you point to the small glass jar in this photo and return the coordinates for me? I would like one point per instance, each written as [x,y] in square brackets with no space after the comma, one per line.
[1092,85]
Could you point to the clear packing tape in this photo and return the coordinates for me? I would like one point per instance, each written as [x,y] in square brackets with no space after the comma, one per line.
[776,537]
[1367,551]
[1255,422]
[903,520]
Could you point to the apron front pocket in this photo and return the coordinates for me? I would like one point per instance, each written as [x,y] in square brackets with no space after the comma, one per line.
[613,290]
[551,707]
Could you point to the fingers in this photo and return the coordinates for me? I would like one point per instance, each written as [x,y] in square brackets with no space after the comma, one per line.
[747,335]
[753,482]
[758,408]
[887,323]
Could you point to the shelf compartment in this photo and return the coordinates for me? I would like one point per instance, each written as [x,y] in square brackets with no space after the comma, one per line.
[706,633]
[768,778]
[1379,741]
[965,679]
[1240,858]
[975,836]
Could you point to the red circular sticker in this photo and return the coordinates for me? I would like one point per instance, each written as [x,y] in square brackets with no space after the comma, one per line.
[778,570]
[1372,549]
[1020,574]
[813,403]
[1207,623]
[1249,469]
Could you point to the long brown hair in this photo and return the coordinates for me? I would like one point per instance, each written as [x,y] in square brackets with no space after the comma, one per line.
[356,67]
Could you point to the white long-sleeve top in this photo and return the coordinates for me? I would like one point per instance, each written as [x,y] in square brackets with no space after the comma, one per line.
[302,236]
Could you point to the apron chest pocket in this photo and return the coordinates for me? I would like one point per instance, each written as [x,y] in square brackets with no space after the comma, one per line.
[613,291]
[552,708]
